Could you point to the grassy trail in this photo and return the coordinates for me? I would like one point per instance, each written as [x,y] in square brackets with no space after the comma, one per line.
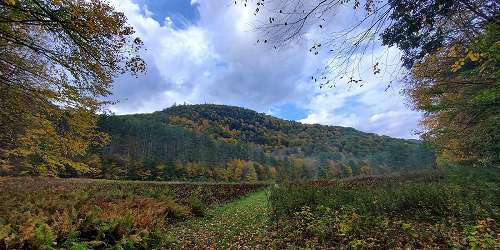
[241,224]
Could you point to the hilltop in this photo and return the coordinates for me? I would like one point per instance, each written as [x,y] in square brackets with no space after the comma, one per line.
[231,143]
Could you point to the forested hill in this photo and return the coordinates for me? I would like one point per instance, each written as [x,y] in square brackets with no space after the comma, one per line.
[218,142]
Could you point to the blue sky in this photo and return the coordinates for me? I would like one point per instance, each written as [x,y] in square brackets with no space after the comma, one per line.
[181,12]
[203,51]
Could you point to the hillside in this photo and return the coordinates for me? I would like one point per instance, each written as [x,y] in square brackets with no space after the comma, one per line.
[221,142]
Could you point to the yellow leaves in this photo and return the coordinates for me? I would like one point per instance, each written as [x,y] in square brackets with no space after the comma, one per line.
[56,140]
[482,68]
[470,55]
[483,224]
[442,95]
[179,120]
[36,124]
[10,2]
[453,51]
[406,226]
[473,56]
[4,231]
[365,169]
[80,167]
[458,65]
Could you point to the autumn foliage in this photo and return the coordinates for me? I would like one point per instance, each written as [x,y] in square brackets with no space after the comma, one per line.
[57,63]
[434,210]
[458,88]
[68,213]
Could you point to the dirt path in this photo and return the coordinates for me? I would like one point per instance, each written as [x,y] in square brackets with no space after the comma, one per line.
[241,224]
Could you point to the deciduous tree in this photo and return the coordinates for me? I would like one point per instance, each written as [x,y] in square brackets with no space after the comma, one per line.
[57,63]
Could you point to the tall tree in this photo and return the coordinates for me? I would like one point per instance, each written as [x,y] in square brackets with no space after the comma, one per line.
[459,89]
[57,63]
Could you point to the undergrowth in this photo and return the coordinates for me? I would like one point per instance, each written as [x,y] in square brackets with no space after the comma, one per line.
[458,208]
[50,213]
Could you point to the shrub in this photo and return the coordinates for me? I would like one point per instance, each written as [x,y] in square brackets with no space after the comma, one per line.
[396,212]
[44,237]
[196,204]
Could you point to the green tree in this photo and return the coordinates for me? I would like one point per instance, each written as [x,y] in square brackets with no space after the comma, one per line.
[236,168]
[331,170]
[458,88]
[180,169]
[347,170]
[221,174]
[251,175]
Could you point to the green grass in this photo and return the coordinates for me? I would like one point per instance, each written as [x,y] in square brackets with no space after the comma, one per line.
[239,224]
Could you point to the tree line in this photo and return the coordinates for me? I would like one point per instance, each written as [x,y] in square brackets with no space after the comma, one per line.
[181,144]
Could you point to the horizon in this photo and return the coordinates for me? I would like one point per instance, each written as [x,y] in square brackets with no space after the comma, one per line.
[199,52]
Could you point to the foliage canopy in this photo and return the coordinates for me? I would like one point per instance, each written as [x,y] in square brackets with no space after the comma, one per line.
[57,62]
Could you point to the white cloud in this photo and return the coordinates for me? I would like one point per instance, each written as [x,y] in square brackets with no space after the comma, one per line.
[371,107]
[177,60]
[217,60]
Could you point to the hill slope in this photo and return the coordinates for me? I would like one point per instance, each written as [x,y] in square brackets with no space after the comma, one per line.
[231,143]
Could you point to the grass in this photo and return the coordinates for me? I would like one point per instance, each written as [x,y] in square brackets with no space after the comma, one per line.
[240,224]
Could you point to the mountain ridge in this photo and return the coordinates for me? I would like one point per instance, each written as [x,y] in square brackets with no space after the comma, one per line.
[214,135]
[279,118]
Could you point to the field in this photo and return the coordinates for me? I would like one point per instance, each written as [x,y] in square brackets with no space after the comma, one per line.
[53,213]
[453,209]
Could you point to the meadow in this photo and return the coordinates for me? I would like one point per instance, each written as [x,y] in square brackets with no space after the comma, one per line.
[163,175]
[52,213]
[456,208]
[452,209]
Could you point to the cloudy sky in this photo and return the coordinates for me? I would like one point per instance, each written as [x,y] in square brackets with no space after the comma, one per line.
[203,51]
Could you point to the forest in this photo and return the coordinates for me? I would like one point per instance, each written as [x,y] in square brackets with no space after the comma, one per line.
[225,143]
[56,95]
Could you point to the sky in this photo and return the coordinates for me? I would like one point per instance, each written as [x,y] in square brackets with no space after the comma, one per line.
[204,51]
